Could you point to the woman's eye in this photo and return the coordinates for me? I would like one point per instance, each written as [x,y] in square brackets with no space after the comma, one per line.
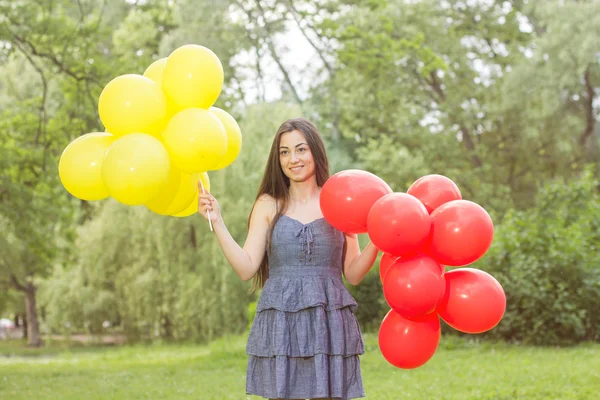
[302,149]
[283,153]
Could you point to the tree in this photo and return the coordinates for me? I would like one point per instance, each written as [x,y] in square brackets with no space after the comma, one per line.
[441,88]
[56,59]
[59,56]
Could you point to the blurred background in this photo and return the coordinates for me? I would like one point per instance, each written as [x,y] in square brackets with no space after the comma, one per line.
[100,300]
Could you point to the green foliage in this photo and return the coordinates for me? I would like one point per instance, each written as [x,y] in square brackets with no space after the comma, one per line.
[11,303]
[251,313]
[466,90]
[547,260]
[153,276]
[81,307]
[55,60]
[372,306]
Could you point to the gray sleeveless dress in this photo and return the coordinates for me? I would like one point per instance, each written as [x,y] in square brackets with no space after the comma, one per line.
[305,341]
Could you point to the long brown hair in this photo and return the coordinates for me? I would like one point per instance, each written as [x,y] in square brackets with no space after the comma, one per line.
[277,185]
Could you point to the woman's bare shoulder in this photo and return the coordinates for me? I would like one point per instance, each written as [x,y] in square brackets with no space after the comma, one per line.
[266,206]
[265,199]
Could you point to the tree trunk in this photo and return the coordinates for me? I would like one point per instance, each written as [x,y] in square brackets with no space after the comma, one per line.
[24,326]
[192,235]
[167,326]
[590,118]
[33,327]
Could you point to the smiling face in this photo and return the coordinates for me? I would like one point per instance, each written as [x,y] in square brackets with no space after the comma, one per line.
[295,157]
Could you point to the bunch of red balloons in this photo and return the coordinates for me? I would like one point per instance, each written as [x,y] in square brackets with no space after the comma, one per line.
[420,232]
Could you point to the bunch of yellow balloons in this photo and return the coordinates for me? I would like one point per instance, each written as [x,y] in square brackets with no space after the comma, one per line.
[162,136]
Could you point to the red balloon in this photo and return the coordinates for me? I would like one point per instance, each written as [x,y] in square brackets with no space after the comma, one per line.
[434,190]
[413,287]
[347,197]
[409,343]
[474,301]
[399,224]
[461,233]
[385,263]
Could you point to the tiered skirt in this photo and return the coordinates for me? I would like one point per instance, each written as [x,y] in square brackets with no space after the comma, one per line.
[305,341]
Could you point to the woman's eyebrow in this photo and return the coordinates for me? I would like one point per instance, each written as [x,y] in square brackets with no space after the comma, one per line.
[299,144]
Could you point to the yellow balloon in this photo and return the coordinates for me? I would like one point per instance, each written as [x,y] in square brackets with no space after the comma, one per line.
[133,103]
[161,202]
[234,137]
[187,191]
[192,208]
[155,71]
[136,167]
[193,77]
[196,140]
[80,165]
[176,195]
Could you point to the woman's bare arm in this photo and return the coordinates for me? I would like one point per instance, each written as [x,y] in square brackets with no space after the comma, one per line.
[357,263]
[244,261]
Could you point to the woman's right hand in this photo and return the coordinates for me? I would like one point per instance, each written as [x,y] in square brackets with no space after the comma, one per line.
[206,202]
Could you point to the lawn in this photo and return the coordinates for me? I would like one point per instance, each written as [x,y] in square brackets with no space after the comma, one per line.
[459,370]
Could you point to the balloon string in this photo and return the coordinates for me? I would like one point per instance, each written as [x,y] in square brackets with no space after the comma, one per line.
[208,212]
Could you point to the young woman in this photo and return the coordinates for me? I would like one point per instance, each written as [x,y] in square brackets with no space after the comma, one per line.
[305,341]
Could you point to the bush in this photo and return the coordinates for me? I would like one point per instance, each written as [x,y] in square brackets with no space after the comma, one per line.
[251,313]
[547,260]
[372,306]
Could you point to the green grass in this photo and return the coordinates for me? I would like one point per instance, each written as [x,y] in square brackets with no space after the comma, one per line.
[459,370]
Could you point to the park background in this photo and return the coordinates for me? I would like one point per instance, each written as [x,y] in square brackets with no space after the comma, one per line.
[103,301]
